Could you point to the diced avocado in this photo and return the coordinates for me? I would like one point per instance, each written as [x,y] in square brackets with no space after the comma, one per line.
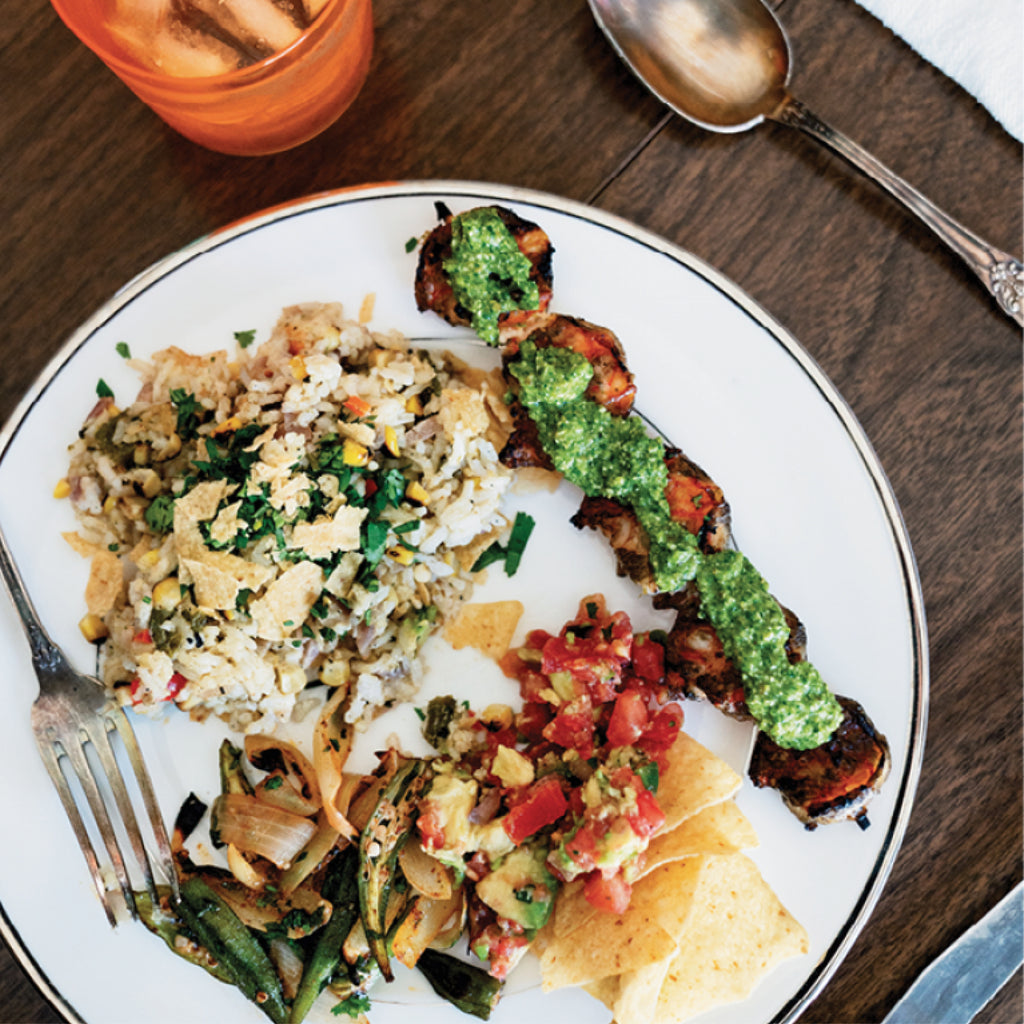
[449,802]
[520,887]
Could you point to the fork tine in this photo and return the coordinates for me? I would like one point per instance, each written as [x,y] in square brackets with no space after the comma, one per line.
[78,760]
[98,734]
[165,860]
[52,762]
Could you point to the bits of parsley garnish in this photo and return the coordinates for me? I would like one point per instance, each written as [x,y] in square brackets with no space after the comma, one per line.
[245,338]
[103,389]
[122,349]
[512,555]
[190,413]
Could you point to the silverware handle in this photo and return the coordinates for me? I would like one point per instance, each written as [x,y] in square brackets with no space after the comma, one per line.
[44,650]
[1000,273]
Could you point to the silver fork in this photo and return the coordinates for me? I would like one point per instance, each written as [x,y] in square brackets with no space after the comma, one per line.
[72,714]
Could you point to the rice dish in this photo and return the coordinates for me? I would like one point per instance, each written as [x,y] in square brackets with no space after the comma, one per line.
[307,510]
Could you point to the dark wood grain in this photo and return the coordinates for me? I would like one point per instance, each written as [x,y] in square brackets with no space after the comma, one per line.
[527,92]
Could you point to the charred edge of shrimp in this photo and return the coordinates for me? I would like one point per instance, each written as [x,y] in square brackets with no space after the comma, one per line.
[708,519]
[523,448]
[694,653]
[432,287]
[830,783]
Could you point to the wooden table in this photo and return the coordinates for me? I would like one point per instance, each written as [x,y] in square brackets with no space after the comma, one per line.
[527,92]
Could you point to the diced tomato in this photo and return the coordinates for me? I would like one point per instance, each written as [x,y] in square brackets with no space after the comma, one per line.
[573,727]
[143,637]
[543,804]
[371,487]
[629,718]
[531,721]
[648,658]
[175,685]
[581,849]
[662,731]
[431,828]
[649,816]
[609,894]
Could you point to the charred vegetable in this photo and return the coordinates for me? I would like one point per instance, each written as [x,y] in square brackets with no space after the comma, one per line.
[469,988]
[389,826]
[341,888]
[220,930]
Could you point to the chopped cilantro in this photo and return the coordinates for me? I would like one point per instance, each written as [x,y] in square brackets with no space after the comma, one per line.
[521,530]
[274,782]
[189,412]
[407,527]
[354,1006]
[103,389]
[123,350]
[411,244]
[245,338]
[511,555]
[374,541]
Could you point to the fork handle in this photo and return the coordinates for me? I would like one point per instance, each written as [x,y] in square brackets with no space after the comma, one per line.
[1000,273]
[45,653]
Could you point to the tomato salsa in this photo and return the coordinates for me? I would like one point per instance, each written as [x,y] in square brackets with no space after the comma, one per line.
[564,789]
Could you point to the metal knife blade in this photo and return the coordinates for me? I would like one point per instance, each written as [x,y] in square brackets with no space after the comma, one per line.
[955,986]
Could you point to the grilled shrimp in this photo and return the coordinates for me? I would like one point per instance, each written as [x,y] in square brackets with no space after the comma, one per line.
[612,385]
[694,500]
[433,289]
[832,782]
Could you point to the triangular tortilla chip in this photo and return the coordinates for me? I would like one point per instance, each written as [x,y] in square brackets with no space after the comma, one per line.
[693,779]
[720,828]
[736,933]
[614,945]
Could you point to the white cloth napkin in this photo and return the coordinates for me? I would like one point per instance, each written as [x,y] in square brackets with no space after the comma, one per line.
[977,43]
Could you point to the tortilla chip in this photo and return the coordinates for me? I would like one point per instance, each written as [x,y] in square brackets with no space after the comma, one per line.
[106,580]
[487,627]
[219,576]
[720,828]
[613,945]
[636,993]
[693,779]
[604,990]
[324,536]
[737,932]
[81,546]
[535,479]
[287,602]
[199,505]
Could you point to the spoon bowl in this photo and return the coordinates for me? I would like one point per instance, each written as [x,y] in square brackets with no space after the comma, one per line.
[722,64]
[725,66]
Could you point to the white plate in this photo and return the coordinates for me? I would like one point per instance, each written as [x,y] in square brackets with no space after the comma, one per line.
[811,507]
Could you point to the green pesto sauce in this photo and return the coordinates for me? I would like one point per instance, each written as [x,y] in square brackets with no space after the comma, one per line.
[614,457]
[488,272]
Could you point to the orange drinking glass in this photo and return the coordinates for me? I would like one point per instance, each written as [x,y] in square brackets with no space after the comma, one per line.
[271,105]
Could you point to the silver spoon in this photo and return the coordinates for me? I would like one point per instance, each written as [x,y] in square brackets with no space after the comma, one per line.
[725,65]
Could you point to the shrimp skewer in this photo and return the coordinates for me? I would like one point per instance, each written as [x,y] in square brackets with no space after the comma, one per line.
[830,782]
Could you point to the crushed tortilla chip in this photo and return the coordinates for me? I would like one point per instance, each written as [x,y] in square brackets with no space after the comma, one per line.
[81,546]
[106,581]
[327,534]
[287,601]
[487,627]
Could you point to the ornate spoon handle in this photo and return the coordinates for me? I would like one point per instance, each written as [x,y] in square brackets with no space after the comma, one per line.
[999,272]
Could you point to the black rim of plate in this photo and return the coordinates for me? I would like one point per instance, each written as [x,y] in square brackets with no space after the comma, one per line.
[906,784]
